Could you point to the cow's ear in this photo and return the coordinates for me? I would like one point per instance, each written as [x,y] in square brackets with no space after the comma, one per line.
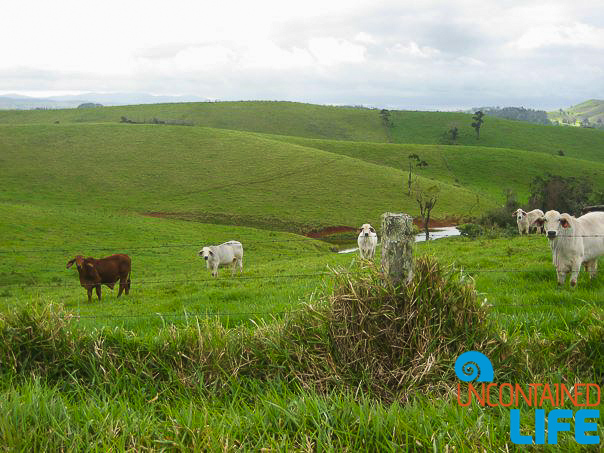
[540,222]
[70,263]
[564,223]
[90,264]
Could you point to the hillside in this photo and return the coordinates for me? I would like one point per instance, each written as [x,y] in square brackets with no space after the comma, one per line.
[483,170]
[592,111]
[339,123]
[204,174]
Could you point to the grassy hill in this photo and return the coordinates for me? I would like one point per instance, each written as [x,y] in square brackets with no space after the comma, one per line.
[483,170]
[339,123]
[204,174]
[592,110]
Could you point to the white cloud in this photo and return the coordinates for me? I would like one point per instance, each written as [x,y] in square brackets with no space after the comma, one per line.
[574,34]
[343,51]
[365,38]
[332,51]
[411,49]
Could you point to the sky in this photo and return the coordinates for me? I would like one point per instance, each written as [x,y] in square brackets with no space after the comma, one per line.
[418,55]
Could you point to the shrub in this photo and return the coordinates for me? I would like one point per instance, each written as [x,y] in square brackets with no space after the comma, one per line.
[394,339]
[470,230]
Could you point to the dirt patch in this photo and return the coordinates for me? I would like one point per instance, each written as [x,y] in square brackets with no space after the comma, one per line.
[160,215]
[329,231]
[438,223]
[278,225]
[217,218]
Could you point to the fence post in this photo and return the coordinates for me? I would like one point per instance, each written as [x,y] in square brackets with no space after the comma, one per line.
[397,247]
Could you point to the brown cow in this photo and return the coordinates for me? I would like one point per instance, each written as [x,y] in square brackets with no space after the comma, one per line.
[106,271]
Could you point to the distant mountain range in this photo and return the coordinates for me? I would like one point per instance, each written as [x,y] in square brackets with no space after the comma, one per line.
[19,102]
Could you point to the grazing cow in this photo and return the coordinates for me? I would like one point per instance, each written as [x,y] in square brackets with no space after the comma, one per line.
[526,220]
[230,252]
[367,241]
[105,271]
[574,241]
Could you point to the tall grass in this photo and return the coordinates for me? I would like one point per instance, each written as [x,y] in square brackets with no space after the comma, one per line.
[365,367]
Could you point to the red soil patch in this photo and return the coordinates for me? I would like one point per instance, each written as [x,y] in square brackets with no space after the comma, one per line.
[437,223]
[159,215]
[329,231]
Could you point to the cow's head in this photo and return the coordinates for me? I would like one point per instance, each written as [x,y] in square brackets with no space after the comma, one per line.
[85,265]
[205,253]
[367,230]
[78,260]
[519,214]
[555,224]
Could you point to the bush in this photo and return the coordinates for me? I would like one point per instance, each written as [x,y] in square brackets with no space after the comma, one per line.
[470,230]
[501,217]
[396,341]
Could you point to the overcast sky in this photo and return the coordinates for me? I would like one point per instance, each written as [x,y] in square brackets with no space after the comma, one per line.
[394,54]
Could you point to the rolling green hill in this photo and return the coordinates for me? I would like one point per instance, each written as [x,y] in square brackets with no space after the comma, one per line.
[339,123]
[238,171]
[203,174]
[483,170]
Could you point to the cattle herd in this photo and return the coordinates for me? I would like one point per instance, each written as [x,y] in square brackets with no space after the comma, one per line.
[573,241]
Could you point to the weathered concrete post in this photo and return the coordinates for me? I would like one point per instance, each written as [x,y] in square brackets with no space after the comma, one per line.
[397,247]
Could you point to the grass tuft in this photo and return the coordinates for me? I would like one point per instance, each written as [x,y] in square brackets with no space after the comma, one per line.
[397,341]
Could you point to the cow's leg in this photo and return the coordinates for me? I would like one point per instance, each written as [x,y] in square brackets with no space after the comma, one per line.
[98,291]
[241,265]
[122,286]
[215,271]
[233,267]
[561,277]
[89,291]
[574,273]
[591,267]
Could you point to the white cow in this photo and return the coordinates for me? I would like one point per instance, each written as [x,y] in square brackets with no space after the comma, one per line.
[367,241]
[526,220]
[550,216]
[230,252]
[575,241]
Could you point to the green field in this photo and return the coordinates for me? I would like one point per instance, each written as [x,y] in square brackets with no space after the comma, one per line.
[186,361]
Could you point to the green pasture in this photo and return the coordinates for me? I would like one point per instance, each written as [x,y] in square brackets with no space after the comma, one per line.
[557,332]
[281,270]
[189,362]
[338,123]
[486,171]
[207,175]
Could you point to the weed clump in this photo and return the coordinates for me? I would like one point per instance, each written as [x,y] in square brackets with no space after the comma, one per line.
[398,340]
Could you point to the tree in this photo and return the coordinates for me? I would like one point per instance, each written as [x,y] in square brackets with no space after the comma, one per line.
[426,200]
[454,131]
[568,194]
[414,158]
[477,122]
